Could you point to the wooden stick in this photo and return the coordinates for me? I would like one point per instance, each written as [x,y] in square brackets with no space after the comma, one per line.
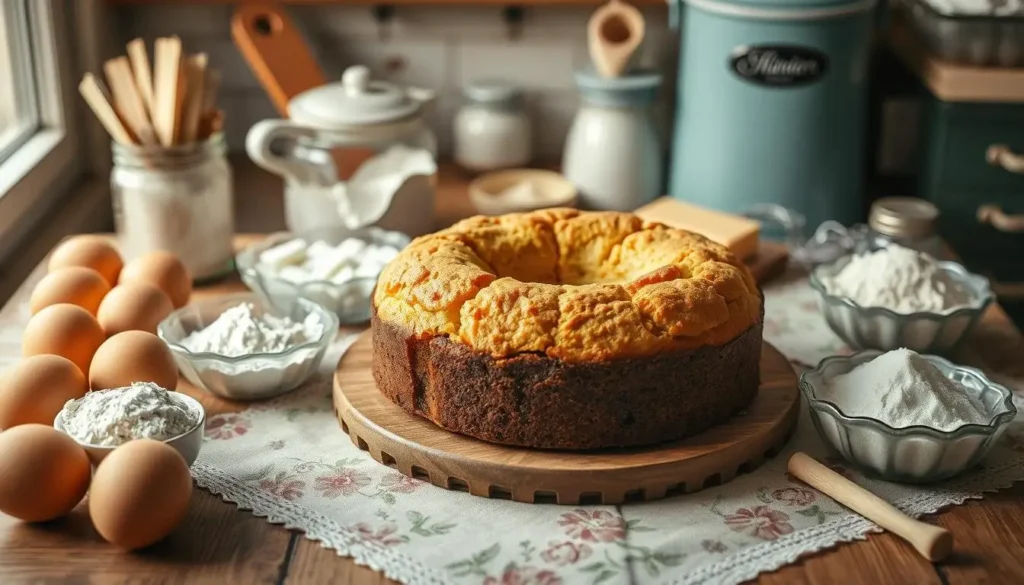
[211,85]
[933,542]
[95,96]
[195,73]
[166,89]
[127,100]
[142,73]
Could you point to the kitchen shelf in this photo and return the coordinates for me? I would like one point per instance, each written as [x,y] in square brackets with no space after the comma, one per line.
[952,82]
[400,2]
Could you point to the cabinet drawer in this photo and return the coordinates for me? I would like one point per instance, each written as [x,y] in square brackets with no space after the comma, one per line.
[960,135]
[986,229]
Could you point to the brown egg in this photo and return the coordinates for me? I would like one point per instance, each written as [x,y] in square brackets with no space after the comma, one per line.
[164,271]
[75,285]
[140,493]
[133,356]
[64,330]
[43,473]
[36,388]
[134,306]
[90,251]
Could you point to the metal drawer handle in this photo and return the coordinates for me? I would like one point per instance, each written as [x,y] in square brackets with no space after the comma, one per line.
[994,216]
[1000,155]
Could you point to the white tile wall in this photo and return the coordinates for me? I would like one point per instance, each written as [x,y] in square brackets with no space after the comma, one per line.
[437,47]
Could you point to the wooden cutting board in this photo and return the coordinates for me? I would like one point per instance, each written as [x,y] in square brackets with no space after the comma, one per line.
[418,448]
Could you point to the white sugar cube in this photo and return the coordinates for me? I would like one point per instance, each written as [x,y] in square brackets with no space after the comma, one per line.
[350,248]
[324,267]
[319,248]
[290,252]
[344,275]
[369,268]
[293,274]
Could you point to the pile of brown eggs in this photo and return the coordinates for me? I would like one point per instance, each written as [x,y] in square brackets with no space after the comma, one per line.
[93,327]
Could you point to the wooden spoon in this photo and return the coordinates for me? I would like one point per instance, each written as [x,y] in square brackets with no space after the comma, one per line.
[615,32]
[933,542]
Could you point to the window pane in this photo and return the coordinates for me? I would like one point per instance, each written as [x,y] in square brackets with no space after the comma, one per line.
[18,111]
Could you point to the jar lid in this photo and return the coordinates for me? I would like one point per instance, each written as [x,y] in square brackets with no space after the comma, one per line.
[903,217]
[637,88]
[356,100]
[492,92]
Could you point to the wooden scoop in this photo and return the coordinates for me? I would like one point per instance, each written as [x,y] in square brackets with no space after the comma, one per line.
[615,32]
[933,542]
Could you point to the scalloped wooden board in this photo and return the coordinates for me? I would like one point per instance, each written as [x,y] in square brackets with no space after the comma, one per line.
[418,448]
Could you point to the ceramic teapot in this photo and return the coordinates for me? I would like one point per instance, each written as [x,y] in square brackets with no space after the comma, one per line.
[353,153]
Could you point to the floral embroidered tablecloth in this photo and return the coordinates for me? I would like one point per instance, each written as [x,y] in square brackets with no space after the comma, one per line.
[288,460]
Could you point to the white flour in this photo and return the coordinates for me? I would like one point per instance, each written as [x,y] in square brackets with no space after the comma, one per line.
[899,279]
[240,331]
[902,389]
[140,411]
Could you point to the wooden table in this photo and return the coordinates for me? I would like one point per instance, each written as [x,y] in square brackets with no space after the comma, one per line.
[218,543]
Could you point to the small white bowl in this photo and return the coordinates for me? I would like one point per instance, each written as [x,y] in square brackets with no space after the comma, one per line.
[187,444]
[554,189]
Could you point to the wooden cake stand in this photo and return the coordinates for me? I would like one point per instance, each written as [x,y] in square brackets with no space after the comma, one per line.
[418,448]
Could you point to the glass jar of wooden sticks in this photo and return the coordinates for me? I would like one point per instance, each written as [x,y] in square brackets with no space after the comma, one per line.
[178,199]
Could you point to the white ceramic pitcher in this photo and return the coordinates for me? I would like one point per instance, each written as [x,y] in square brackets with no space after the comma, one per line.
[330,132]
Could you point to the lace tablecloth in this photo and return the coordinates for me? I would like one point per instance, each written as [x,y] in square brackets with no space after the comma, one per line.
[288,461]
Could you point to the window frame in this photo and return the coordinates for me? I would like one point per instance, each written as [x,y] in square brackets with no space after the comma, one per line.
[44,167]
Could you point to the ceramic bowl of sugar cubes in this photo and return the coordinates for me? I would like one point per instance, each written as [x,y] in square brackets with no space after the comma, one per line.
[335,269]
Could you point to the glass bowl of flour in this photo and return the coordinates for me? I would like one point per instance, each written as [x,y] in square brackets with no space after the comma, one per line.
[243,347]
[893,297]
[922,422]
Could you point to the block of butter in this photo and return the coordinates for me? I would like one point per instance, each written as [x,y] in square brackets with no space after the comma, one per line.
[737,233]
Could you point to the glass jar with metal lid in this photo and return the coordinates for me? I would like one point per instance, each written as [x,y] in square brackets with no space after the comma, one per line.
[907,221]
[492,129]
[177,199]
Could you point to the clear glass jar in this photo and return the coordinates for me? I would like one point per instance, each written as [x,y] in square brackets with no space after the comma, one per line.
[492,129]
[909,222]
[177,199]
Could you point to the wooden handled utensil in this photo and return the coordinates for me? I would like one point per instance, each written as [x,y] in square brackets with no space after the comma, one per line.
[276,51]
[614,33]
[933,542]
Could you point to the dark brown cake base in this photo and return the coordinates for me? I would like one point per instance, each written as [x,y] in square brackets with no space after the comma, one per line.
[532,400]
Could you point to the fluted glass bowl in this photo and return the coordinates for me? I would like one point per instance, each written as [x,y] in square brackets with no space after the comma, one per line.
[884,329]
[915,454]
[248,377]
[350,300]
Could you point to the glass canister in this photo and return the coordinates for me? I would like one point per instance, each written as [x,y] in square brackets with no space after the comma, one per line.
[492,129]
[177,199]
[909,222]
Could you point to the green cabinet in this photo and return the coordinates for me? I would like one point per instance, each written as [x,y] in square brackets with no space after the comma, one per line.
[958,177]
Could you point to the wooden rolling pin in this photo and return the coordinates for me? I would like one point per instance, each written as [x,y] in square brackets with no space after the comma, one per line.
[933,542]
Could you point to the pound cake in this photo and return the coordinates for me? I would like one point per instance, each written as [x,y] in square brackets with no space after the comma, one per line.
[562,329]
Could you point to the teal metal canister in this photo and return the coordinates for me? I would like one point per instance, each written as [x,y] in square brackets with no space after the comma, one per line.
[772,106]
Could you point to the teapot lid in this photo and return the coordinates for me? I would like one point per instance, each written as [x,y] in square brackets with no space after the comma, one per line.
[356,100]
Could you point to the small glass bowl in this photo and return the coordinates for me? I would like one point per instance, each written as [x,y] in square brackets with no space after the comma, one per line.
[884,329]
[350,300]
[248,377]
[915,454]
[187,444]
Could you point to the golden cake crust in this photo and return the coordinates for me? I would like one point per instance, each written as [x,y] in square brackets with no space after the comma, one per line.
[574,286]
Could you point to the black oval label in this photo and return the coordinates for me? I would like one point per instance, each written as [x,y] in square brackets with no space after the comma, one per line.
[778,65]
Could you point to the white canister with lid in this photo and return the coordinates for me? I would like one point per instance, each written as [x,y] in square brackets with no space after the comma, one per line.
[338,127]
[612,153]
[492,129]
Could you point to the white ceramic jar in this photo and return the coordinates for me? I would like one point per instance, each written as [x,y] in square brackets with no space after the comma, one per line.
[492,129]
[612,152]
[344,124]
